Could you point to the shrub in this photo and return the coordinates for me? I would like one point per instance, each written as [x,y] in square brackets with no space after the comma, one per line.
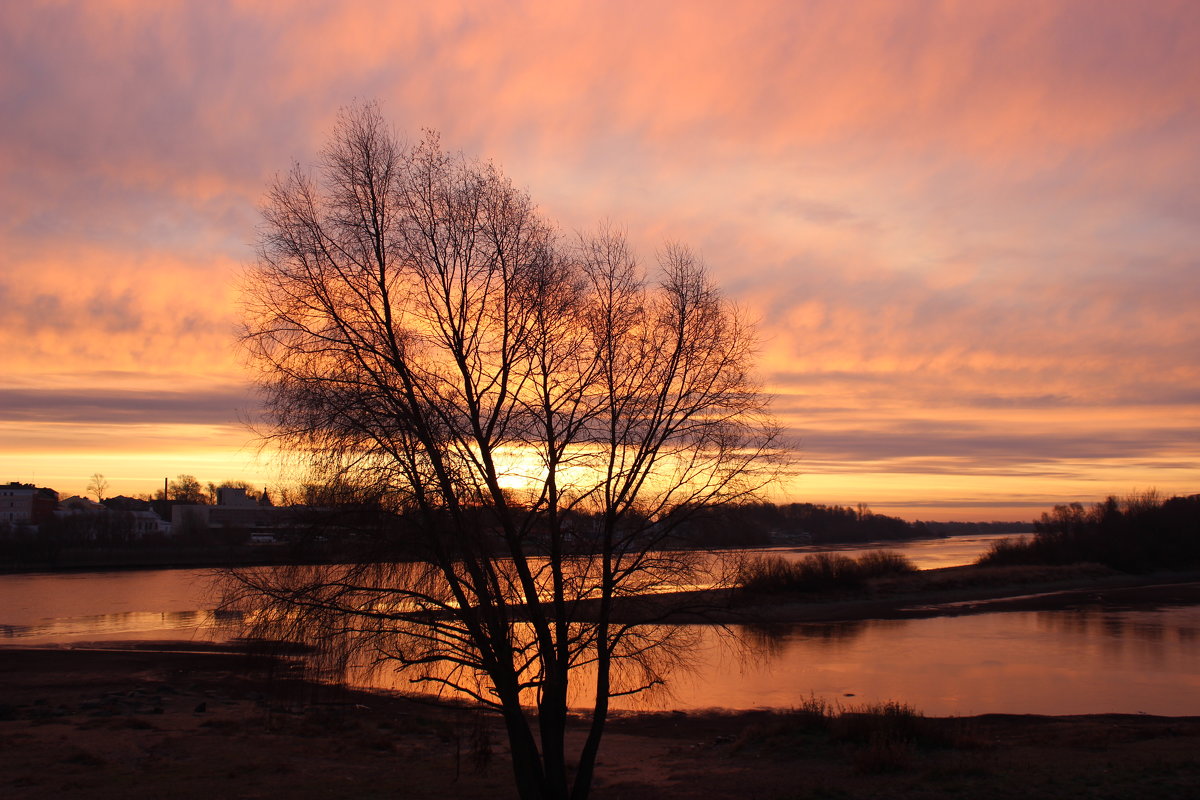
[876,737]
[890,720]
[819,572]
[765,575]
[881,563]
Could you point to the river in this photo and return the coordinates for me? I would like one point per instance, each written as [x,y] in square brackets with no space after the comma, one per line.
[1076,661]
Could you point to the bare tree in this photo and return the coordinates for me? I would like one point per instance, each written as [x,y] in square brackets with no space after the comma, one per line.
[186,489]
[98,485]
[540,418]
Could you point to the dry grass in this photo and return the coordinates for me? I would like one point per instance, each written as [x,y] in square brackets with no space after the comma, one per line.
[820,572]
[873,737]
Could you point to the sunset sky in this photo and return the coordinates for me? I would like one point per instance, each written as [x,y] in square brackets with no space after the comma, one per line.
[970,231]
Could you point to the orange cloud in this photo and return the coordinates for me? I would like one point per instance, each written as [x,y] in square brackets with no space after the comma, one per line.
[955,221]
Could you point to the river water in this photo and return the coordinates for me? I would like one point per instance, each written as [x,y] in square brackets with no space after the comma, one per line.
[1075,661]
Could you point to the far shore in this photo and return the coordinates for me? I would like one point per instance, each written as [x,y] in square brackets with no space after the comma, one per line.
[947,591]
[133,559]
[172,556]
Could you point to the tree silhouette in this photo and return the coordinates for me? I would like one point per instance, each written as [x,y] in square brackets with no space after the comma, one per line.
[187,490]
[539,419]
[98,485]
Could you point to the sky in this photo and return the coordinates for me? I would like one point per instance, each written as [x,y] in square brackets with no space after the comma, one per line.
[968,231]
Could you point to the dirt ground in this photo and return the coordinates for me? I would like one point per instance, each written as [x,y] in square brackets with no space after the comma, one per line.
[148,723]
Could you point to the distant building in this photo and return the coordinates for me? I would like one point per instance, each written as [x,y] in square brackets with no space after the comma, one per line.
[235,510]
[123,517]
[147,523]
[144,520]
[230,497]
[26,504]
[81,505]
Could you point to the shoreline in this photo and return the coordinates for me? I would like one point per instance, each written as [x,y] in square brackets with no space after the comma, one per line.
[138,720]
[276,554]
[948,591]
[945,591]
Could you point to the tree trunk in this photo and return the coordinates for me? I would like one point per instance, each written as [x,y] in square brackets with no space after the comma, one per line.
[526,761]
[552,719]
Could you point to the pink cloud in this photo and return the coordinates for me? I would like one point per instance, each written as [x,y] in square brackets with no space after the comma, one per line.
[928,205]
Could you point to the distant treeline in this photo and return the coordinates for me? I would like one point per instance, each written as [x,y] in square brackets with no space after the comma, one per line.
[767,523]
[336,528]
[1134,534]
[967,528]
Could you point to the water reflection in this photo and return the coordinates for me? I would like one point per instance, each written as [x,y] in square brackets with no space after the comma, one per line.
[1053,662]
[772,637]
[1084,660]
[1057,662]
[206,624]
[1153,637]
[1119,625]
[30,598]
[954,551]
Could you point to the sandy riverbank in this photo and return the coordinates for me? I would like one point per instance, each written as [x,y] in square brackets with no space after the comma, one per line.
[132,721]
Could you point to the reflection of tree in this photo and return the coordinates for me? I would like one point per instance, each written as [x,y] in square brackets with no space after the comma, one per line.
[1152,637]
[122,622]
[773,637]
[1154,625]
[762,642]
[537,419]
[771,640]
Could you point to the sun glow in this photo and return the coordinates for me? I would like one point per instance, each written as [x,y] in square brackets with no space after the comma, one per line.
[967,236]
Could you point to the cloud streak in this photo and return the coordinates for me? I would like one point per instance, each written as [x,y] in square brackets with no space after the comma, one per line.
[115,407]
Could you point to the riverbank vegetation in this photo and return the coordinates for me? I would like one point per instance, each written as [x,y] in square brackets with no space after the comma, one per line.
[819,572]
[1138,533]
[764,524]
[1109,548]
[874,737]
